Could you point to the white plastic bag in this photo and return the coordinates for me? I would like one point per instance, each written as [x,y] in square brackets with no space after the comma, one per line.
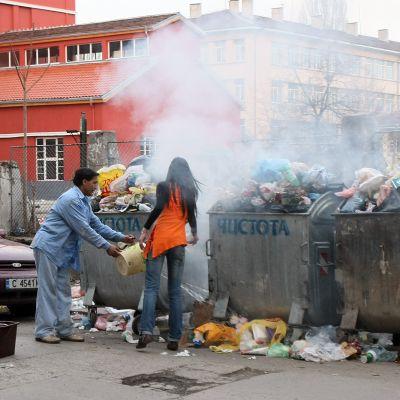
[120,184]
[259,334]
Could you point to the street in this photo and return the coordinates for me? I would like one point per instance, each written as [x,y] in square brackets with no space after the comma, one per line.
[96,369]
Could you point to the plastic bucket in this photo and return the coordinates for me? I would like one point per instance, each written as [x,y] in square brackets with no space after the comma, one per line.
[8,335]
[131,261]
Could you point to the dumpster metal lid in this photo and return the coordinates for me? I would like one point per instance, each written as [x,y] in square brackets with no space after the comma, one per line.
[365,214]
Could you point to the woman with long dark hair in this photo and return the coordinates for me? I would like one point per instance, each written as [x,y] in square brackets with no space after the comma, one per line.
[165,237]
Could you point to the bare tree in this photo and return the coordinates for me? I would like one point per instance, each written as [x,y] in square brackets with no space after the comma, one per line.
[27,84]
[332,12]
[330,91]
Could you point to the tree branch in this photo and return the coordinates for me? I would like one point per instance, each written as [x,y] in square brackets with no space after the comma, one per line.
[38,80]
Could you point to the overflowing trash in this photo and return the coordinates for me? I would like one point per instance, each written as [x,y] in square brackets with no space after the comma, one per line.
[124,189]
[371,191]
[320,345]
[268,337]
[260,337]
[277,185]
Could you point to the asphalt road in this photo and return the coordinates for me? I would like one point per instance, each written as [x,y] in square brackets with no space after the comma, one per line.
[105,367]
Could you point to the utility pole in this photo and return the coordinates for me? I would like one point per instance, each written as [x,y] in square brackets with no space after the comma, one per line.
[83,141]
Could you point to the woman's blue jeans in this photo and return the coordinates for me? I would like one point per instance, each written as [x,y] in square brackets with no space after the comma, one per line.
[175,262]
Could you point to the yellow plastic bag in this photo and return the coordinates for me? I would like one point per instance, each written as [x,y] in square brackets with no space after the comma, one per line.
[247,339]
[224,348]
[108,175]
[216,334]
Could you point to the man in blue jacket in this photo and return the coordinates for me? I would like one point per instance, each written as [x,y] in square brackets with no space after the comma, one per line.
[56,248]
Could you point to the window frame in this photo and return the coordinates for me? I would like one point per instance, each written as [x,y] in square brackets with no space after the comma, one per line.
[9,53]
[147,146]
[276,92]
[240,95]
[220,50]
[134,48]
[78,52]
[36,50]
[240,48]
[44,159]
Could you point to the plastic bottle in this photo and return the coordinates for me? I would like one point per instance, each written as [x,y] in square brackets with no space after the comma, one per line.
[198,339]
[377,354]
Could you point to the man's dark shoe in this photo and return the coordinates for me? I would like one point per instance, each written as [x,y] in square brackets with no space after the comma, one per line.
[144,340]
[173,346]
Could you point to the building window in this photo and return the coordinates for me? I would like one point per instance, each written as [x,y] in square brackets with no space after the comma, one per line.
[276,92]
[50,159]
[240,50]
[296,58]
[379,69]
[278,54]
[390,70]
[315,7]
[72,53]
[115,49]
[389,103]
[141,47]
[368,67]
[294,93]
[129,48]
[42,56]
[239,90]
[147,146]
[220,51]
[355,65]
[84,52]
[9,59]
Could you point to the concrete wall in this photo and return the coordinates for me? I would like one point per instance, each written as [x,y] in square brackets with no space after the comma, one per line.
[5,198]
[9,174]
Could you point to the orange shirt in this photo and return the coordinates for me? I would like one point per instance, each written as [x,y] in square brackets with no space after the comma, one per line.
[169,230]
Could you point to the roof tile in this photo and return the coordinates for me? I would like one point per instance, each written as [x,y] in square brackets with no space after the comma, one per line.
[70,81]
[83,29]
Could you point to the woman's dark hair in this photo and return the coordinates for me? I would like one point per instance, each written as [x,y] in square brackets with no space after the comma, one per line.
[180,177]
[83,173]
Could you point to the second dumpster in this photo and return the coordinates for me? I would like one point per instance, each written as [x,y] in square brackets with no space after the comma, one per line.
[269,263]
[368,268]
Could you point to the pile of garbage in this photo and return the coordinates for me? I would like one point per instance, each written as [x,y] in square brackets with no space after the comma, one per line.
[124,189]
[261,337]
[267,337]
[278,185]
[372,191]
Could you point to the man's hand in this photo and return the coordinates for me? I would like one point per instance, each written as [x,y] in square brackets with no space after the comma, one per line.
[129,239]
[193,240]
[113,251]
[144,236]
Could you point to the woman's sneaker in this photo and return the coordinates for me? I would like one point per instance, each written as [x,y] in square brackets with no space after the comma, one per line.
[144,340]
[172,345]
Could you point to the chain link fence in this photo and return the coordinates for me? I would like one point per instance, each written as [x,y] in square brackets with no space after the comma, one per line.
[49,170]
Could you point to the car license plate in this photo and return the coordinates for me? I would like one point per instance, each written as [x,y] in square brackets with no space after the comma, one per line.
[29,283]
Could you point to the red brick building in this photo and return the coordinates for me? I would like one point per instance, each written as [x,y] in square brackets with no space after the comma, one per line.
[103,69]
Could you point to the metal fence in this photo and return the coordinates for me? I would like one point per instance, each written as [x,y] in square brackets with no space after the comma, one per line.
[49,170]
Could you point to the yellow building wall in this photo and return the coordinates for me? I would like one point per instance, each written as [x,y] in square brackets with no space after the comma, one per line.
[258,73]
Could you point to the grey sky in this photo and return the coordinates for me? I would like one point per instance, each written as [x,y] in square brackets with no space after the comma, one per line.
[372,14]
